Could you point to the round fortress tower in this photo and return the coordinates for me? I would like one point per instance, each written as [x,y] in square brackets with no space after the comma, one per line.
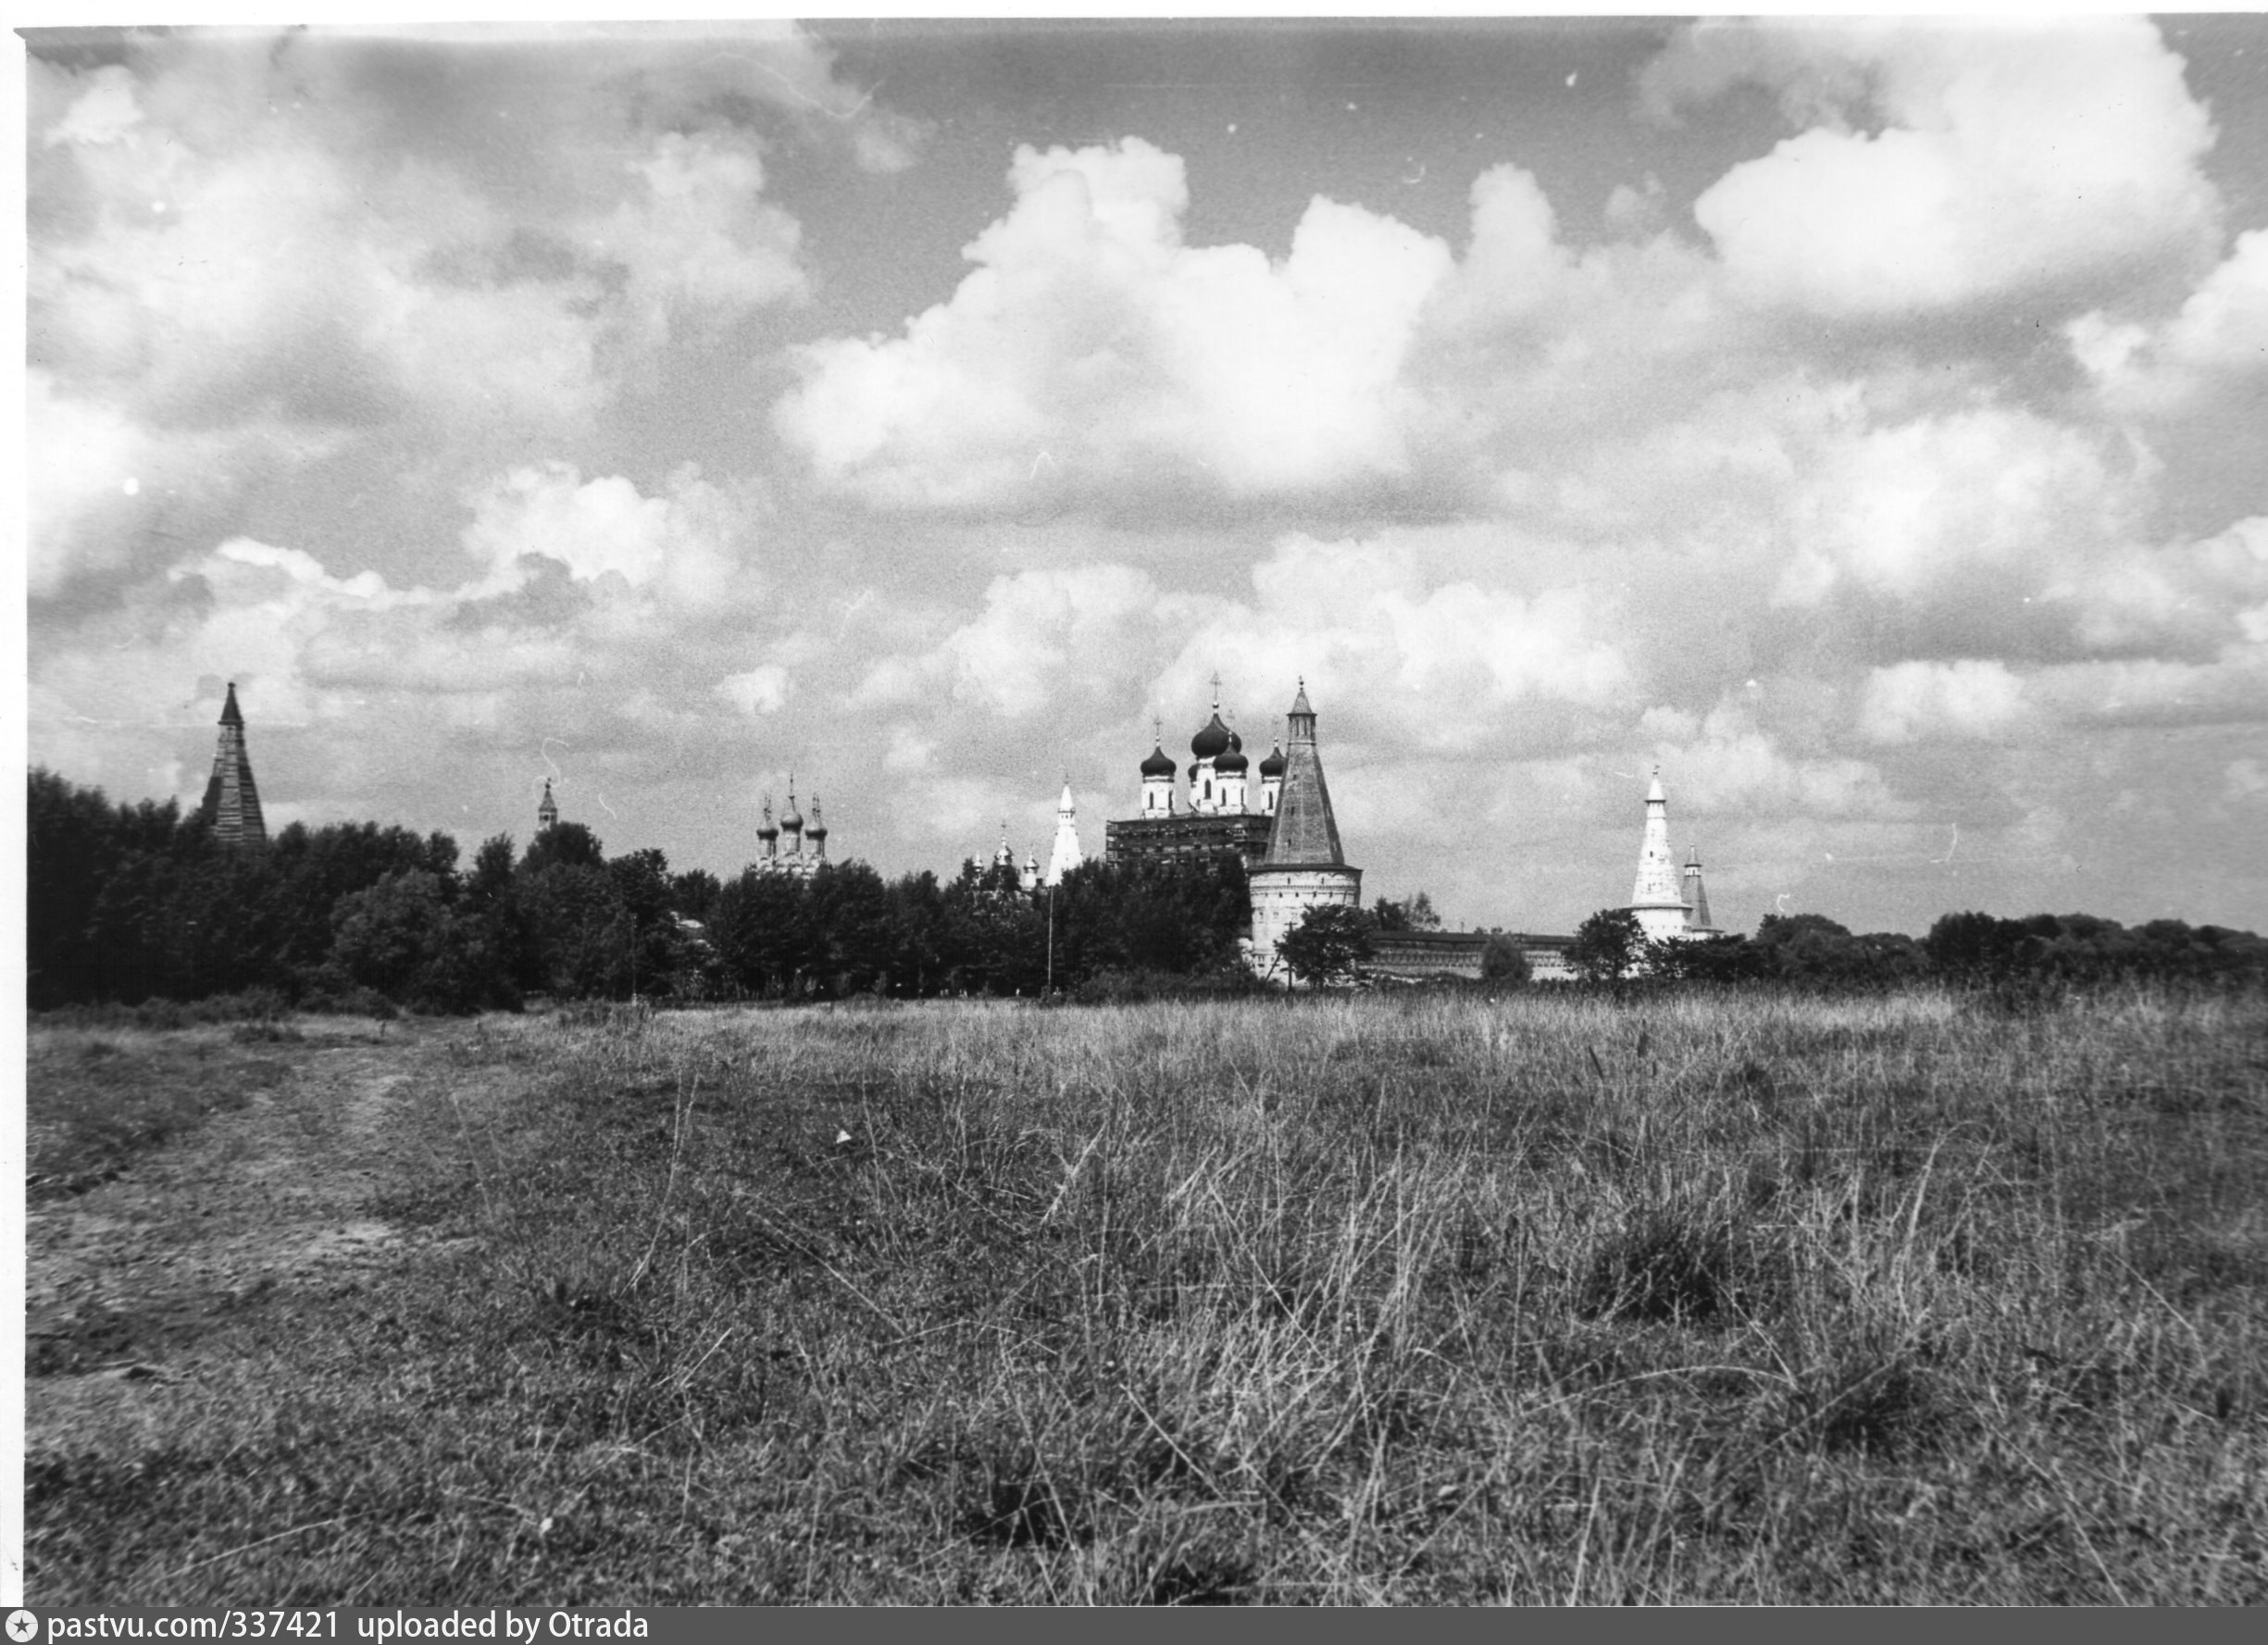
[1305,866]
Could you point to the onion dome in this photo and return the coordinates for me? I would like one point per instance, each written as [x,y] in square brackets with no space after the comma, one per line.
[770,829]
[791,819]
[1233,763]
[817,830]
[1213,741]
[1159,764]
[1274,764]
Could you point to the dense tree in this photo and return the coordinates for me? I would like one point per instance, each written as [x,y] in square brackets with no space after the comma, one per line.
[1504,963]
[1328,946]
[1608,946]
[1416,914]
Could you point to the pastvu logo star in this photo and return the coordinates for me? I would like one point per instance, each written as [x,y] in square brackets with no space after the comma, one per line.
[23,1627]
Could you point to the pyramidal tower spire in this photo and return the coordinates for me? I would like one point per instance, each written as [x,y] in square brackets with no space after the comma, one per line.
[232,799]
[547,809]
[1655,896]
[1304,831]
[1305,866]
[1066,854]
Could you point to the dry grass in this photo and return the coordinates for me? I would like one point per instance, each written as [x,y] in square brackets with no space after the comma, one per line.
[1406,1300]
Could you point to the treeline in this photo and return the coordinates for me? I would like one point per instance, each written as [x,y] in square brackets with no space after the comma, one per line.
[131,903]
[1966,950]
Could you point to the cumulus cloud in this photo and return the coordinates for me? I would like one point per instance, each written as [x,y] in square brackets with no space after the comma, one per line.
[1970,513]
[1094,350]
[1974,698]
[1732,765]
[250,254]
[2215,350]
[678,544]
[2004,157]
[758,692]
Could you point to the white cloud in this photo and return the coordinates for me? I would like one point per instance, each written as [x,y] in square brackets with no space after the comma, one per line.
[2012,155]
[2215,348]
[760,691]
[1038,637]
[701,236]
[1734,767]
[1977,698]
[676,544]
[1988,504]
[1093,351]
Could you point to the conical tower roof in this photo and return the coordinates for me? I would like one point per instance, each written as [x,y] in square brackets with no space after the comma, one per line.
[1304,833]
[231,801]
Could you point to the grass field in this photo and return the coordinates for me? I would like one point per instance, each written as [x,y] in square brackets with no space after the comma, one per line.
[1409,1301]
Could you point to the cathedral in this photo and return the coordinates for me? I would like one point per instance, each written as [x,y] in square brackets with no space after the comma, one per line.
[1219,814]
[232,799]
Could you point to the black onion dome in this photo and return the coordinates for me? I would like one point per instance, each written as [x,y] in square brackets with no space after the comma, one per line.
[1213,741]
[1233,763]
[1274,764]
[1159,764]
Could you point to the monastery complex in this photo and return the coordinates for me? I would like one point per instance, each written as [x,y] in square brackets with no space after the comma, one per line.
[1285,833]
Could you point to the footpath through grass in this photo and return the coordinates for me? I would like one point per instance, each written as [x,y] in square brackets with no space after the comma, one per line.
[1408,1301]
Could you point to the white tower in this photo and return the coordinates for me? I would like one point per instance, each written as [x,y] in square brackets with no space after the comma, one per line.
[1655,896]
[1066,854]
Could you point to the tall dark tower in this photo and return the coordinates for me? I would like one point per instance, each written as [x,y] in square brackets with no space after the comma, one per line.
[232,799]
[547,811]
[1305,866]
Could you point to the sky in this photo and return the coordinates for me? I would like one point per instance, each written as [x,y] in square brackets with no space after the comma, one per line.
[1864,423]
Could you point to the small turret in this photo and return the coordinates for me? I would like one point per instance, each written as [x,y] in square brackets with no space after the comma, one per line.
[1228,776]
[816,832]
[1271,779]
[768,838]
[792,823]
[1697,897]
[1212,741]
[1158,778]
[547,811]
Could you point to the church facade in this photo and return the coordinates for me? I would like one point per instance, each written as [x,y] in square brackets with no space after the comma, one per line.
[1220,814]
